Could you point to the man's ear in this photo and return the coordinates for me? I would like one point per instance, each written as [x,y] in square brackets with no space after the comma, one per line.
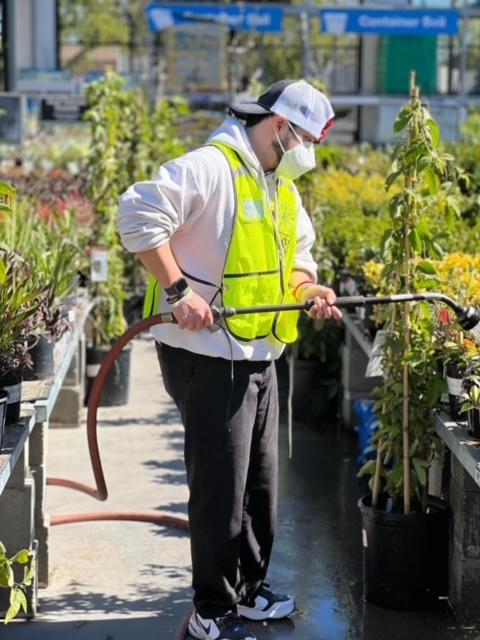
[279,122]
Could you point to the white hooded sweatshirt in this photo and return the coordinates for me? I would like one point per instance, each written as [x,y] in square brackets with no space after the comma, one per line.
[191,203]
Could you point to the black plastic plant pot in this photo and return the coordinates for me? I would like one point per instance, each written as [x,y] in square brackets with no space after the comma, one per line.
[133,308]
[306,385]
[454,383]
[473,424]
[405,556]
[42,354]
[3,415]
[13,386]
[117,385]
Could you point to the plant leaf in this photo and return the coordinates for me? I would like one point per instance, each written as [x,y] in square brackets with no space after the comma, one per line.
[415,240]
[425,266]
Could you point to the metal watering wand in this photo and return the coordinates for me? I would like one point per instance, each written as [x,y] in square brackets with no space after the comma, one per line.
[468,317]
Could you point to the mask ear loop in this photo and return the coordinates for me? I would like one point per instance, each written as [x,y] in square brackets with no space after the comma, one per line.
[295,134]
[280,143]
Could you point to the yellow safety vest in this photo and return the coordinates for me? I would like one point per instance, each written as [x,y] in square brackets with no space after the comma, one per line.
[260,257]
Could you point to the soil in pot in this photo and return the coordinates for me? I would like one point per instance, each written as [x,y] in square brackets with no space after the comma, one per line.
[117,385]
[405,556]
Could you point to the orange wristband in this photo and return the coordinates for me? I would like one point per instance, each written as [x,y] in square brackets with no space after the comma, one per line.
[298,287]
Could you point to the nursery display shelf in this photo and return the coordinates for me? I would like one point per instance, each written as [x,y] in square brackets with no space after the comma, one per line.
[43,393]
[466,451]
[16,436]
[353,325]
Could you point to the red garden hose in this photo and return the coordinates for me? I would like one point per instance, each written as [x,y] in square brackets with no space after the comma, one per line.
[99,491]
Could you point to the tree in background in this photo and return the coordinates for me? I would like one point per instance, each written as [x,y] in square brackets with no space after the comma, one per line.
[94,23]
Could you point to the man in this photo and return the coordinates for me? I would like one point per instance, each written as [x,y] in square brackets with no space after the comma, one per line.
[223,225]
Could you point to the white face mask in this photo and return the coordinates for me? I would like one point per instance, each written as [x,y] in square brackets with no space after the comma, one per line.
[297,161]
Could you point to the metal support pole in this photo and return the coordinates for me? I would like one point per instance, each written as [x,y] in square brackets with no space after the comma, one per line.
[308,67]
[10,15]
[463,55]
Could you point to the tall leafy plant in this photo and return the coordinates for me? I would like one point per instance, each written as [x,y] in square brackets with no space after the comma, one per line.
[128,144]
[107,178]
[152,139]
[406,443]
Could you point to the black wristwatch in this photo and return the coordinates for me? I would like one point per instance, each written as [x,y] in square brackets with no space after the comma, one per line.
[177,288]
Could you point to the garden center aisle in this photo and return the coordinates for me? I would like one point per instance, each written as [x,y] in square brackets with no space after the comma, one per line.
[117,580]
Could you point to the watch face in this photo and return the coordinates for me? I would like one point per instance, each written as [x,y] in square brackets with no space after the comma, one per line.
[177,287]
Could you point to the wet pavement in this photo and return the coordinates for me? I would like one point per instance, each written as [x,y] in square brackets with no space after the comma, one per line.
[319,555]
[119,580]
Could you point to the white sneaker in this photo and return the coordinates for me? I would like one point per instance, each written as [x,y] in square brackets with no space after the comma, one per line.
[228,627]
[266,605]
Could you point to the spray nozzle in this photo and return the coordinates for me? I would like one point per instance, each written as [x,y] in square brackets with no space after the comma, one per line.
[469,319]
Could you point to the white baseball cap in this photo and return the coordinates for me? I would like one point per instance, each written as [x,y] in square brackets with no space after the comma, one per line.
[295,100]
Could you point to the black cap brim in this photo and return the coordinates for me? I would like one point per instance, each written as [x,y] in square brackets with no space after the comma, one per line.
[243,108]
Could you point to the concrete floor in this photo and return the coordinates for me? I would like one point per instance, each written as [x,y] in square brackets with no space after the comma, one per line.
[116,581]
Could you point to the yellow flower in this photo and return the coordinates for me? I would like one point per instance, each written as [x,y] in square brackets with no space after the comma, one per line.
[459,277]
[373,273]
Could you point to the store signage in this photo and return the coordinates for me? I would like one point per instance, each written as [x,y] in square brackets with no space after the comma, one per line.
[196,59]
[13,110]
[98,264]
[41,81]
[238,17]
[390,22]
[63,108]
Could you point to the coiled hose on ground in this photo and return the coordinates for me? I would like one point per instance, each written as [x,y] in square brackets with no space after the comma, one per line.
[100,491]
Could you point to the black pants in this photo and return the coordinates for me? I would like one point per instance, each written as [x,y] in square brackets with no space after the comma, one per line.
[231,456]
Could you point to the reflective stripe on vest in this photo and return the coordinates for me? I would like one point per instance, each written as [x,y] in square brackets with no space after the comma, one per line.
[261,254]
[151,302]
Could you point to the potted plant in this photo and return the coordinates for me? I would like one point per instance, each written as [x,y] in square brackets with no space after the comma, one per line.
[20,300]
[470,398]
[50,247]
[17,584]
[106,179]
[56,264]
[405,532]
[458,353]
[317,368]
[128,143]
[458,277]
[316,354]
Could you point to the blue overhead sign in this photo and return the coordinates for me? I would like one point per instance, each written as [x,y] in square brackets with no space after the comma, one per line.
[241,18]
[390,22]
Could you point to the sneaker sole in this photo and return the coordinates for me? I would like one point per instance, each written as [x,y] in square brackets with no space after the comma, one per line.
[191,633]
[276,612]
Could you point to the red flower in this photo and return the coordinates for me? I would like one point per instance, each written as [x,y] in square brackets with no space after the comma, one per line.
[444,316]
